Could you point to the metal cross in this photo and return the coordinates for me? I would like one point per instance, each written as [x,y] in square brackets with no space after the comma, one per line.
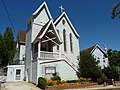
[61,8]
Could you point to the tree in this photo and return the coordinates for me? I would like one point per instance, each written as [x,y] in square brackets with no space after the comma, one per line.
[114,63]
[8,47]
[88,67]
[1,47]
[115,12]
[111,72]
[114,57]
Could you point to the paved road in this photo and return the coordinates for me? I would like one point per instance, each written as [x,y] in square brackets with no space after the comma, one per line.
[19,86]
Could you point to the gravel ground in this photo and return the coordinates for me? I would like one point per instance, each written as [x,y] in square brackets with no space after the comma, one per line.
[18,86]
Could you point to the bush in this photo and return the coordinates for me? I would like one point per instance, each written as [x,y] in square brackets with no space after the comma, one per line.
[72,81]
[101,80]
[85,80]
[42,82]
[56,77]
[55,80]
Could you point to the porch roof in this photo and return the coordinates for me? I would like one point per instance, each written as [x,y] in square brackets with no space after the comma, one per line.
[44,30]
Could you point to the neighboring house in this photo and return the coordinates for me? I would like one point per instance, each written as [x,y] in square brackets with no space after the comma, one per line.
[50,46]
[99,54]
[20,48]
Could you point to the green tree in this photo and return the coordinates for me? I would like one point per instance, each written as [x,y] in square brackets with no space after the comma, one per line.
[115,12]
[111,72]
[114,63]
[8,48]
[114,57]
[1,47]
[88,67]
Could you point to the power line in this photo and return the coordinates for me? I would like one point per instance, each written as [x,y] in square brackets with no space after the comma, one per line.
[9,17]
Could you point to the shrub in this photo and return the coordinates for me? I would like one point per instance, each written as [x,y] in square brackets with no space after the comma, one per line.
[55,80]
[52,83]
[101,80]
[56,77]
[85,80]
[72,81]
[42,82]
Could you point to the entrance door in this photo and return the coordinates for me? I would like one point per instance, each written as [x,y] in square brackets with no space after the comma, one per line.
[18,74]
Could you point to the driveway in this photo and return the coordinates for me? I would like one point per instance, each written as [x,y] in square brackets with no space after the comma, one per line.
[18,86]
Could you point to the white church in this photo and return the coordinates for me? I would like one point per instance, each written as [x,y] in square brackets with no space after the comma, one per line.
[46,47]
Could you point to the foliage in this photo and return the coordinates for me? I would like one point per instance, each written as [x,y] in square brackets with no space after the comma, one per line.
[7,47]
[101,80]
[56,77]
[114,57]
[87,67]
[55,80]
[114,61]
[1,49]
[115,12]
[85,80]
[73,81]
[42,82]
[111,72]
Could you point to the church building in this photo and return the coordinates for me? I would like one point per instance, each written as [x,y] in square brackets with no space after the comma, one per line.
[51,46]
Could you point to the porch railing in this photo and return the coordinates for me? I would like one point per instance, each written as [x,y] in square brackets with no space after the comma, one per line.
[47,55]
[53,55]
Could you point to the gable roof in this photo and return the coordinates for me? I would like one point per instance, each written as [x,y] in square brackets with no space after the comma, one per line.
[91,49]
[44,29]
[34,14]
[21,36]
[57,20]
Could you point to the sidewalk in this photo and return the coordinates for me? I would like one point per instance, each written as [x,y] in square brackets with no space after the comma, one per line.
[19,86]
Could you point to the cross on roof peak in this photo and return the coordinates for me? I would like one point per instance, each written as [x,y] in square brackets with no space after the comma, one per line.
[61,9]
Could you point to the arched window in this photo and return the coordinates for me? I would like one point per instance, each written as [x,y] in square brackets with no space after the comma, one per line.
[57,45]
[64,39]
[71,43]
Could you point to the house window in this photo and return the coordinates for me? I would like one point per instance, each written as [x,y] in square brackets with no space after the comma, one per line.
[57,45]
[36,47]
[50,70]
[18,72]
[71,44]
[63,22]
[64,40]
[104,61]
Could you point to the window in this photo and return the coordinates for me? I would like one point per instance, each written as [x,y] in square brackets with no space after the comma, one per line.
[104,61]
[36,47]
[57,45]
[18,72]
[63,22]
[71,43]
[64,39]
[50,70]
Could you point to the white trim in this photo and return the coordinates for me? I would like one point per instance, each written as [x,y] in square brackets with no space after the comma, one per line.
[51,22]
[64,13]
[9,66]
[44,3]
[99,48]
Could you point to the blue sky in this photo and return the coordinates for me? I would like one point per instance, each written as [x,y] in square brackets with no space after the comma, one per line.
[91,18]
